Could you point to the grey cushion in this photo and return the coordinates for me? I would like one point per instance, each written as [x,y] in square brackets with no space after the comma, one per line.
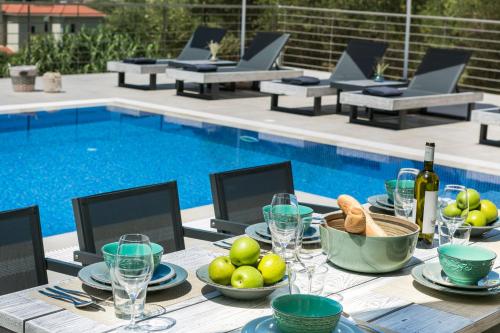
[200,68]
[382,91]
[302,80]
[140,61]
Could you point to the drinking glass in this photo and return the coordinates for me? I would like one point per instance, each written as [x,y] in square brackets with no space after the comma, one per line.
[300,279]
[313,255]
[461,235]
[133,269]
[453,208]
[404,194]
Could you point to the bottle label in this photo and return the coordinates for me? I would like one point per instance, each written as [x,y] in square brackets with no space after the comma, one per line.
[430,209]
[429,154]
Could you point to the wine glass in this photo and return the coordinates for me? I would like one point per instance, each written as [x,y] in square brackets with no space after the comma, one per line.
[453,208]
[133,269]
[285,224]
[311,256]
[286,228]
[404,193]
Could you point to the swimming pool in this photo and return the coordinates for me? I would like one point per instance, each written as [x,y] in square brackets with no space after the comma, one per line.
[48,158]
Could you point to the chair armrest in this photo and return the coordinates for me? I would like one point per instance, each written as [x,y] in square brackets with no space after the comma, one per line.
[86,258]
[62,267]
[206,235]
[320,209]
[230,227]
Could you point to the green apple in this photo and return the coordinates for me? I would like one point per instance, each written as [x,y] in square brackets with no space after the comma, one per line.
[220,270]
[247,277]
[452,210]
[272,268]
[489,209]
[474,199]
[244,251]
[476,218]
[465,212]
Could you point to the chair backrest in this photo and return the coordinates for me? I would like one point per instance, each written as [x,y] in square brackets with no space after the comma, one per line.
[263,51]
[359,59]
[151,210]
[22,262]
[197,46]
[440,70]
[239,195]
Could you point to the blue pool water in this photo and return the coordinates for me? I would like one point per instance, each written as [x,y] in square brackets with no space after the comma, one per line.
[48,158]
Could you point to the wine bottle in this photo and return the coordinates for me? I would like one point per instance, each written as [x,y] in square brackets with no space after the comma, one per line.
[426,196]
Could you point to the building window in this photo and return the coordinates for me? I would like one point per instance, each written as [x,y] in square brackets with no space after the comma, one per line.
[33,29]
[72,28]
[46,27]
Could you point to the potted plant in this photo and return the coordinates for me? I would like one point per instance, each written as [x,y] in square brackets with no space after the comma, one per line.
[214,49]
[379,71]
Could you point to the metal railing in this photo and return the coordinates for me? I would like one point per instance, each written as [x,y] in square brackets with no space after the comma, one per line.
[318,35]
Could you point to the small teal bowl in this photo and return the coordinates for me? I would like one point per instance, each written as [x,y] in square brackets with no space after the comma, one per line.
[466,265]
[300,313]
[390,186]
[304,211]
[109,252]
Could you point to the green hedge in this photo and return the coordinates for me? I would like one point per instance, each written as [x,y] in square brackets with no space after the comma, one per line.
[84,52]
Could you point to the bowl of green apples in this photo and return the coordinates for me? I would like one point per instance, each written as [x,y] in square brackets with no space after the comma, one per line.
[482,214]
[244,274]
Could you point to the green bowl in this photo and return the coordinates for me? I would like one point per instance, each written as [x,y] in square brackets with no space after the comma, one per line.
[363,254]
[390,186]
[305,213]
[109,251]
[301,313]
[466,264]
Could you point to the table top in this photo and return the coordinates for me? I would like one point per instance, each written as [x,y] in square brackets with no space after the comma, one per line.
[391,302]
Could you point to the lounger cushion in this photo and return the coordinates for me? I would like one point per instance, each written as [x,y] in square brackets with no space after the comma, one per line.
[140,61]
[200,68]
[382,91]
[302,80]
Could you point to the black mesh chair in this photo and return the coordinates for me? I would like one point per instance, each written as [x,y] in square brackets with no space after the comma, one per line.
[22,263]
[151,210]
[239,195]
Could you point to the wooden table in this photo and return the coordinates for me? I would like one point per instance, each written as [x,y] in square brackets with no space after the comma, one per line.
[381,300]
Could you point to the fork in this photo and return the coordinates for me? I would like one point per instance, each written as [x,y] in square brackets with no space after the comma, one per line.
[79,300]
[77,304]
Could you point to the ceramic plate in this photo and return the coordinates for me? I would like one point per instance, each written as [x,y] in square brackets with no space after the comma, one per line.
[383,199]
[267,324]
[85,275]
[478,231]
[251,231]
[417,274]
[163,273]
[237,293]
[373,201]
[434,273]
[311,232]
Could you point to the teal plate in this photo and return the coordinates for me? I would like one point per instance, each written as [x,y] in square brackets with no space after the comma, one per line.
[374,202]
[417,274]
[434,273]
[310,233]
[239,293]
[85,275]
[251,231]
[163,273]
[267,324]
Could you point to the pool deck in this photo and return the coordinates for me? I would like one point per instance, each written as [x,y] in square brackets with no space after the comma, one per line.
[456,141]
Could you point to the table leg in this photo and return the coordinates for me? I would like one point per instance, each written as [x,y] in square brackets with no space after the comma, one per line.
[152,81]
[469,111]
[274,101]
[483,133]
[179,87]
[354,114]
[317,106]
[121,79]
[338,106]
[402,119]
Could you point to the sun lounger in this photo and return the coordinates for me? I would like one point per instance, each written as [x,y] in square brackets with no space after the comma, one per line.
[354,71]
[255,65]
[488,115]
[434,85]
[196,49]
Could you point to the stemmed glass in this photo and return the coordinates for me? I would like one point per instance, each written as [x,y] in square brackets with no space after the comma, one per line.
[311,256]
[133,269]
[286,227]
[404,193]
[453,208]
